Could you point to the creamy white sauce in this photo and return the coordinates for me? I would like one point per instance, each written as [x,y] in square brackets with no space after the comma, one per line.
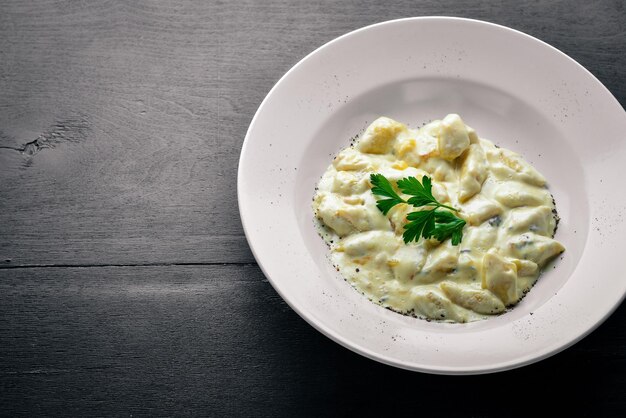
[510,215]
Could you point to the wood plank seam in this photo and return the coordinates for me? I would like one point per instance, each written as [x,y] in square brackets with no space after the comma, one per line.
[39,266]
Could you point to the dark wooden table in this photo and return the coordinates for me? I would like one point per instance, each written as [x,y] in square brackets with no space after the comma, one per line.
[126,284]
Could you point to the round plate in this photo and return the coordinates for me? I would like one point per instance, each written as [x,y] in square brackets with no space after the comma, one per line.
[514,90]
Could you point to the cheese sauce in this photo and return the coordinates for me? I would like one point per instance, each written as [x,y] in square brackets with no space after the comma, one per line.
[510,215]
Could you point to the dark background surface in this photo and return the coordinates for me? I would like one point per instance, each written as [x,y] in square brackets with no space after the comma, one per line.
[126,284]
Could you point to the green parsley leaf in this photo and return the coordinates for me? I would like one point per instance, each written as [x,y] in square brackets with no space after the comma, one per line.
[448,226]
[423,223]
[421,192]
[382,187]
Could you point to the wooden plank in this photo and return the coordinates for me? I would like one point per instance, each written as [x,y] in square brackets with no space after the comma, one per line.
[121,122]
[219,341]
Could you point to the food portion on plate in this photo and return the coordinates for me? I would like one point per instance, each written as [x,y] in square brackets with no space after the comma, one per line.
[436,222]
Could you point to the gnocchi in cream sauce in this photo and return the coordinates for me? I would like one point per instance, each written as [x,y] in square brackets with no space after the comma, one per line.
[509,212]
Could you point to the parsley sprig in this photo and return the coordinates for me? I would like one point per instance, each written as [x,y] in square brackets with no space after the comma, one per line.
[441,224]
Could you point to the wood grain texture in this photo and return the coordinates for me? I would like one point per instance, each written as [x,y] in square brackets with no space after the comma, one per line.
[218,341]
[121,124]
[148,177]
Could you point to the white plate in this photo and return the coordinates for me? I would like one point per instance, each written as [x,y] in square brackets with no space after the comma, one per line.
[513,89]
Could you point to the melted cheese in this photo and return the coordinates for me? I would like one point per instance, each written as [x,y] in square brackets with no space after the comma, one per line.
[508,237]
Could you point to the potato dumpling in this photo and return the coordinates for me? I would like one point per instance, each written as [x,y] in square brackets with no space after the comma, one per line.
[453,137]
[380,136]
[500,277]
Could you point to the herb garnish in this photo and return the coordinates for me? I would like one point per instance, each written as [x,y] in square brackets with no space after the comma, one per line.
[441,224]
